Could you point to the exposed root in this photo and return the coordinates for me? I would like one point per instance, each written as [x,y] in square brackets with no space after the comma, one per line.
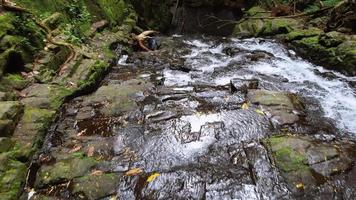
[9,6]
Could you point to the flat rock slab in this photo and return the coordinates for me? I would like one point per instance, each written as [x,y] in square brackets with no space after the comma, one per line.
[283,108]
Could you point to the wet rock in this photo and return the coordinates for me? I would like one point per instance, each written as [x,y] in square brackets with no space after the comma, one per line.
[302,160]
[332,167]
[96,186]
[64,170]
[10,113]
[282,107]
[320,153]
[31,128]
[118,98]
[242,85]
[45,96]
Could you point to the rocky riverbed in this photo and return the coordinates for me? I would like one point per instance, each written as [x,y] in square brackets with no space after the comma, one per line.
[204,118]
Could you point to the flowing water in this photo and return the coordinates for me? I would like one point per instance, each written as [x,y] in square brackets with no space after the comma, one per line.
[188,125]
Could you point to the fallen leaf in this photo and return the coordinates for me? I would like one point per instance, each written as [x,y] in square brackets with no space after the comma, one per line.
[133,172]
[90,152]
[244,106]
[82,132]
[97,173]
[258,111]
[113,198]
[152,177]
[75,149]
[300,186]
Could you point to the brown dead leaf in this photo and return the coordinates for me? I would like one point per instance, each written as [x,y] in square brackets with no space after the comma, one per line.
[75,149]
[81,133]
[133,172]
[90,151]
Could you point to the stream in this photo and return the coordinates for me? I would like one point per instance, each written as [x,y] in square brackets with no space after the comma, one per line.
[197,113]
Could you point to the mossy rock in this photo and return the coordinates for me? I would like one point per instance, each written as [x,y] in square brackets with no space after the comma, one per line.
[280,26]
[332,39]
[46,96]
[289,153]
[302,33]
[5,144]
[265,27]
[6,24]
[34,125]
[12,177]
[12,82]
[10,113]
[257,11]
[64,170]
[92,185]
[54,20]
[96,71]
[249,28]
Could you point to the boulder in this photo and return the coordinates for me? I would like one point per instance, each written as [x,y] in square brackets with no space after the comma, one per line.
[10,113]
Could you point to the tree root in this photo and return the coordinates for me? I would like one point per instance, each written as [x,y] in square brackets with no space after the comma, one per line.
[13,8]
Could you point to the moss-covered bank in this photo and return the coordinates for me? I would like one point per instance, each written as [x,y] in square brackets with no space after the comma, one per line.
[310,35]
[33,76]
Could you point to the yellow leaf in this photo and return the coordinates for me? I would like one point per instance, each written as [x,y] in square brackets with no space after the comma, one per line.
[300,186]
[244,106]
[258,111]
[152,177]
[133,172]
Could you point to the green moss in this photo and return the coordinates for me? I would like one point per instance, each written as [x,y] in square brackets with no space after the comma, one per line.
[63,170]
[37,115]
[287,156]
[288,159]
[6,24]
[114,10]
[58,97]
[12,177]
[257,11]
[303,33]
[96,72]
[12,82]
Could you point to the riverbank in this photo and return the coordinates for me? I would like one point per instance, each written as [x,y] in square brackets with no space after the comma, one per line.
[325,36]
[37,75]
